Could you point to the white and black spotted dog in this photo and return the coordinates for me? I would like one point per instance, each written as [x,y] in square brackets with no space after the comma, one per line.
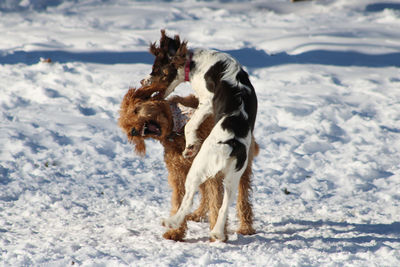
[223,89]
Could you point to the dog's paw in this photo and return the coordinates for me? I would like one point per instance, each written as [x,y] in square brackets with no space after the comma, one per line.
[246,230]
[174,234]
[170,223]
[216,235]
[190,151]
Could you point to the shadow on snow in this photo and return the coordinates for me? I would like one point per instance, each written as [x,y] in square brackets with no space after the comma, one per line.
[337,236]
[377,7]
[249,57]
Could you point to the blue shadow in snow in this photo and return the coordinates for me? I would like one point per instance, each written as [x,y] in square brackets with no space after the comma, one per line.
[249,57]
[105,57]
[4,175]
[377,7]
[342,236]
[253,58]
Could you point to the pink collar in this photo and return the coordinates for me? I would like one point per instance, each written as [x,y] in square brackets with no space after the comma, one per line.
[187,67]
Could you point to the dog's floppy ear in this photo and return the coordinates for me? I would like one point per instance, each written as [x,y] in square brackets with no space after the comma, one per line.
[125,124]
[173,45]
[140,147]
[179,59]
[154,50]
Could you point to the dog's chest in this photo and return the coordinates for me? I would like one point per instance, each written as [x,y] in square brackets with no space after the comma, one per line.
[181,115]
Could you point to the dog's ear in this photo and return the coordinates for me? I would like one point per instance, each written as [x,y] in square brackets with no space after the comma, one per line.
[179,59]
[173,46]
[169,45]
[140,147]
[154,50]
[163,35]
[164,41]
[182,50]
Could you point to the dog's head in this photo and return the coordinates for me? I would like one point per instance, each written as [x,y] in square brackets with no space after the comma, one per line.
[169,62]
[145,114]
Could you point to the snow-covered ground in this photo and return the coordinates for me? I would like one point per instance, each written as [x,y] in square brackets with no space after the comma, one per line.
[327,75]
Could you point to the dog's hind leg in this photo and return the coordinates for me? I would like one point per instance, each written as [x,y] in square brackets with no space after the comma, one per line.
[243,205]
[231,183]
[215,193]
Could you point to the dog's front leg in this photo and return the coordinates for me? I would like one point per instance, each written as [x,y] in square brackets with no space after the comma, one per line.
[197,175]
[192,141]
[191,186]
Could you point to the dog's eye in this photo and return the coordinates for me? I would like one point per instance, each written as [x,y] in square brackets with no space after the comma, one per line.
[136,110]
[134,132]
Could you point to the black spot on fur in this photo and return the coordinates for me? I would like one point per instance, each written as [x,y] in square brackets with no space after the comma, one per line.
[249,98]
[238,151]
[192,65]
[243,77]
[213,76]
[238,124]
[228,98]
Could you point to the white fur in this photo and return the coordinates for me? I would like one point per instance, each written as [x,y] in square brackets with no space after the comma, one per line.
[214,156]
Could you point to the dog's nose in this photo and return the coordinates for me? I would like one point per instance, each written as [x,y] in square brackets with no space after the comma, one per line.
[134,132]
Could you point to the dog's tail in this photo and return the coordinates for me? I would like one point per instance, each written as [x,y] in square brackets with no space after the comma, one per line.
[256,147]
[239,150]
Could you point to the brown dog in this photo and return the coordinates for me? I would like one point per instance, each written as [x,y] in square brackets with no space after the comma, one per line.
[143,116]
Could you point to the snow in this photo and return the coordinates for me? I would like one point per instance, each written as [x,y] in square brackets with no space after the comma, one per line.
[326,182]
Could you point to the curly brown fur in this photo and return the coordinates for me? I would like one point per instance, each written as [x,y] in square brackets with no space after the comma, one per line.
[138,110]
[243,205]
